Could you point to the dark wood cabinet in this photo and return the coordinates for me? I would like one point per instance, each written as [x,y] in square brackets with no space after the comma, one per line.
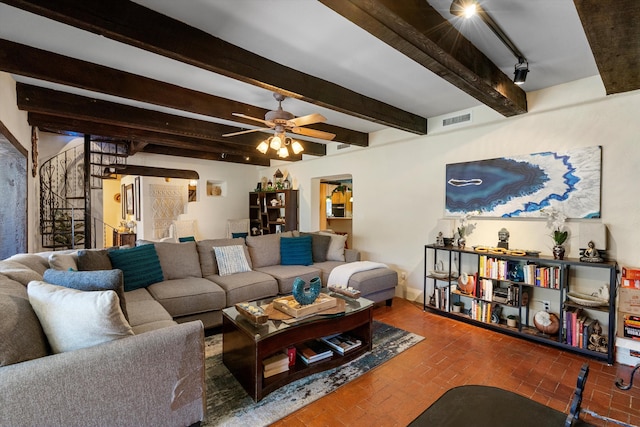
[122,238]
[273,211]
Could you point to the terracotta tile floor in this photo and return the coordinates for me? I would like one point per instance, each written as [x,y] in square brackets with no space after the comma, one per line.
[455,353]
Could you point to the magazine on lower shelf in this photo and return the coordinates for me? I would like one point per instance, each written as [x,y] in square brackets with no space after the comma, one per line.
[313,351]
[342,343]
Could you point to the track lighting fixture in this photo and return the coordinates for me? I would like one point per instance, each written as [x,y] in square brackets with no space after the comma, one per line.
[470,8]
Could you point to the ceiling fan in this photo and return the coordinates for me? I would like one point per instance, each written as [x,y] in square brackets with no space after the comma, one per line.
[282,121]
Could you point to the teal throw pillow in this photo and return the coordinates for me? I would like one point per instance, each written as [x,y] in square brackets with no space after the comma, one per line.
[236,235]
[296,251]
[140,266]
[186,239]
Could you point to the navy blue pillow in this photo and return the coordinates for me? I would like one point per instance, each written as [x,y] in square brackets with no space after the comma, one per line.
[186,239]
[95,280]
[236,235]
[296,251]
[140,266]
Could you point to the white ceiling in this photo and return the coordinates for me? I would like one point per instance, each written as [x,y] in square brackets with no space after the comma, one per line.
[308,36]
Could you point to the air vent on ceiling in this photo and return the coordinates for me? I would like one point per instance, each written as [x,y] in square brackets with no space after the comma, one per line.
[342,146]
[456,120]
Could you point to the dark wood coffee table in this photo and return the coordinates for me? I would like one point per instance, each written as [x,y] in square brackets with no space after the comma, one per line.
[245,345]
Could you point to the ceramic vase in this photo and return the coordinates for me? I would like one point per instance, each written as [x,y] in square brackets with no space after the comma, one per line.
[558,252]
[461,242]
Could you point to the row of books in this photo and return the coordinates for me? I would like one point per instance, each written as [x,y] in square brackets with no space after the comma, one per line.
[481,311]
[578,327]
[531,274]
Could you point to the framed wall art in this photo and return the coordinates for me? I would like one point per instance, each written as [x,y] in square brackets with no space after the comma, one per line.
[136,192]
[521,186]
[129,199]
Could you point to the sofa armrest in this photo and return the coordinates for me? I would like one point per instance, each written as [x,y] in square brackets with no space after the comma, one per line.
[151,379]
[351,255]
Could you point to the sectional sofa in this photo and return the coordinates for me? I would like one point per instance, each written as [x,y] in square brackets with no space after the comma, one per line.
[172,292]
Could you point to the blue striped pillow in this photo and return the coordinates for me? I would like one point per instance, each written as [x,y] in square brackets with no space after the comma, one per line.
[231,259]
[140,266]
[296,250]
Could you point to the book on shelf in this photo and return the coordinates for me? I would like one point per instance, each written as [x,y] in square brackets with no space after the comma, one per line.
[342,343]
[314,351]
[275,371]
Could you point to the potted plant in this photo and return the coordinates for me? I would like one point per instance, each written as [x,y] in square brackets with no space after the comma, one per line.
[512,320]
[556,221]
[457,306]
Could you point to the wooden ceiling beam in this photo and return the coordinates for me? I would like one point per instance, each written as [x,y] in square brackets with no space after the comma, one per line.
[139,138]
[220,157]
[27,61]
[617,53]
[48,101]
[133,24]
[422,34]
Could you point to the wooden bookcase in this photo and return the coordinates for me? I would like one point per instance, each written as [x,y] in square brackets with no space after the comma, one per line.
[273,211]
[556,278]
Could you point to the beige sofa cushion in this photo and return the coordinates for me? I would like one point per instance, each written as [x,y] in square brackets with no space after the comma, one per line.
[248,286]
[208,262]
[37,263]
[265,250]
[21,336]
[19,272]
[178,260]
[192,295]
[286,274]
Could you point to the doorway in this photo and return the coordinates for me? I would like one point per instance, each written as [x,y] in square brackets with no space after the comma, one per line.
[13,192]
[336,205]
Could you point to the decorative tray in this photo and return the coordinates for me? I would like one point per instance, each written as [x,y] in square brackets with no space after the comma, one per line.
[293,308]
[345,290]
[586,300]
[252,313]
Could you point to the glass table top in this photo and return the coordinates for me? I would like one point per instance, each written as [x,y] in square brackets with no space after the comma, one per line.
[272,327]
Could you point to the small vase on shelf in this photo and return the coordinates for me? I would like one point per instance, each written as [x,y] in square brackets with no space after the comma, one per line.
[461,242]
[558,252]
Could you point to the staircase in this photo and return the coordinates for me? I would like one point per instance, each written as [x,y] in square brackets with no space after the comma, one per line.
[63,197]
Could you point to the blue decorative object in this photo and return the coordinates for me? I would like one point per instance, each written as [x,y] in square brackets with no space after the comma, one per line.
[303,296]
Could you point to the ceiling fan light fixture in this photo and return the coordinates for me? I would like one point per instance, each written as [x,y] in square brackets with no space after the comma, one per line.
[297,147]
[263,147]
[275,143]
[283,152]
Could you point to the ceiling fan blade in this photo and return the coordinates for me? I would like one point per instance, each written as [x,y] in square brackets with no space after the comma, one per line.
[244,116]
[314,133]
[308,120]
[245,131]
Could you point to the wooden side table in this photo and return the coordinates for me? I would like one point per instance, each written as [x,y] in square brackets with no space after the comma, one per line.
[121,239]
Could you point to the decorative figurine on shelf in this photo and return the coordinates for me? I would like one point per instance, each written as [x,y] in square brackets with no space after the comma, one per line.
[591,254]
[597,342]
[275,202]
[440,239]
[503,238]
[496,311]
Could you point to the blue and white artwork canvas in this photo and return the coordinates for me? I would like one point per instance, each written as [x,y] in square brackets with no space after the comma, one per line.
[520,186]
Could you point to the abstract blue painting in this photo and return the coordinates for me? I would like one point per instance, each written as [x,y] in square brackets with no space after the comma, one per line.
[520,186]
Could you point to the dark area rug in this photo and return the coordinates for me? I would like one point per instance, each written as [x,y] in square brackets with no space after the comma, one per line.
[229,405]
[484,406]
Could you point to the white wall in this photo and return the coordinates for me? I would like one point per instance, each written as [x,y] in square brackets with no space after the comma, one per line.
[399,187]
[211,212]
